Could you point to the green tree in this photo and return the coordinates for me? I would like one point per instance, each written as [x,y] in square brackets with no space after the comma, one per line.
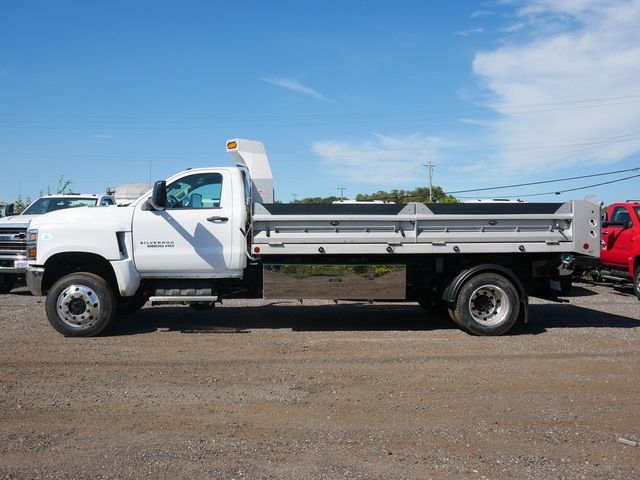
[19,205]
[420,194]
[64,185]
[318,200]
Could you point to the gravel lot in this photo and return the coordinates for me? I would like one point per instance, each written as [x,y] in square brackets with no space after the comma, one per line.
[322,391]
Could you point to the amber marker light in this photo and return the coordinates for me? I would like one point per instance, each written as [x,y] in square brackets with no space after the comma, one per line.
[232,145]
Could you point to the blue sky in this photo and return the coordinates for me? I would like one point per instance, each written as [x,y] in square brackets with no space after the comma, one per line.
[353,94]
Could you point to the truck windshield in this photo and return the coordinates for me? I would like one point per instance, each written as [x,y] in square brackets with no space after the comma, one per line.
[46,205]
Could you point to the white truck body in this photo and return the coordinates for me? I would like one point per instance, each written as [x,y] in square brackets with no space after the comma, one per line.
[211,239]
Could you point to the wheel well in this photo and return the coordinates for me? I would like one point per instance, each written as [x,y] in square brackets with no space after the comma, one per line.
[63,264]
[451,291]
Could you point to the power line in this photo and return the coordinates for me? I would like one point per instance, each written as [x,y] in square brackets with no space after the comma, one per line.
[556,192]
[635,169]
[567,190]
[145,123]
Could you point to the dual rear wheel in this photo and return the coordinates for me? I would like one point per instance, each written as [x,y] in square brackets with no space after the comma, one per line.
[487,304]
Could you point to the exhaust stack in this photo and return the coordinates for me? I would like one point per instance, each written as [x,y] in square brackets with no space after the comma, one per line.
[252,155]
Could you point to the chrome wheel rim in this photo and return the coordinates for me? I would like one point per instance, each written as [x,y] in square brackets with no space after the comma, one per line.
[78,306]
[489,305]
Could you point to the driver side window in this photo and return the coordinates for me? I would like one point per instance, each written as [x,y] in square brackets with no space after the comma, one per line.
[620,215]
[200,190]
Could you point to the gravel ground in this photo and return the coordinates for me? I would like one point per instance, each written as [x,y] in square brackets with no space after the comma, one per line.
[355,391]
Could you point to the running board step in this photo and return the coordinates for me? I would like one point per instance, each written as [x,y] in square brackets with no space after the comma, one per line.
[182,299]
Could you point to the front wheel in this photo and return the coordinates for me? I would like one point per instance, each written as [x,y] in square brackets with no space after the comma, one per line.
[488,304]
[636,282]
[80,305]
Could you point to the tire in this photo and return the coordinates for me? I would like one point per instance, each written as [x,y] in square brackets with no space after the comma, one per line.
[73,318]
[7,282]
[636,282]
[566,283]
[130,305]
[487,304]
[454,317]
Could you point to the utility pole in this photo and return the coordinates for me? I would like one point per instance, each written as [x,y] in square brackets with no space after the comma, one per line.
[295,197]
[430,166]
[342,189]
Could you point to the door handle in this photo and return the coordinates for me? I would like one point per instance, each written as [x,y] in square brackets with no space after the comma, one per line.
[217,219]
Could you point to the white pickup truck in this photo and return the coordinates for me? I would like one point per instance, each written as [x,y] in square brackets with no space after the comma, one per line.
[208,234]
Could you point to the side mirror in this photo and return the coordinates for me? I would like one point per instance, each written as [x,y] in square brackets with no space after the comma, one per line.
[10,210]
[628,224]
[158,200]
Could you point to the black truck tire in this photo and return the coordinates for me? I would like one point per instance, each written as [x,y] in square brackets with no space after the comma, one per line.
[636,282]
[7,282]
[80,305]
[487,304]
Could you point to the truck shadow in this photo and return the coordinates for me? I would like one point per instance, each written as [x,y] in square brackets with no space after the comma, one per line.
[347,317]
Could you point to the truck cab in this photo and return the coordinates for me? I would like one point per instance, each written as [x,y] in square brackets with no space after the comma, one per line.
[620,252]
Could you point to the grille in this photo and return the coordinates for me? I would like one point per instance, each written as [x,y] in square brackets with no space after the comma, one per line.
[13,240]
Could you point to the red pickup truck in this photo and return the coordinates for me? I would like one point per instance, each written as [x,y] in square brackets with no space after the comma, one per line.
[620,252]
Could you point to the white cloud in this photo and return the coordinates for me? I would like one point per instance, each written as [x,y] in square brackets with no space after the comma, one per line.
[482,13]
[294,85]
[102,135]
[471,31]
[568,51]
[514,27]
[386,160]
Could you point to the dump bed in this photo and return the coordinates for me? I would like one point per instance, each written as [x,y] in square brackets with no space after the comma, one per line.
[416,228]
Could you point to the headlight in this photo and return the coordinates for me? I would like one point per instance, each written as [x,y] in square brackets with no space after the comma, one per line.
[32,243]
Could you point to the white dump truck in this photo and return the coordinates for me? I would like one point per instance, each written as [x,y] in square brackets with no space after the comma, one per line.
[208,234]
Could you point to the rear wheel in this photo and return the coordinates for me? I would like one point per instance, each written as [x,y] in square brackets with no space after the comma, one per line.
[488,304]
[80,305]
[7,282]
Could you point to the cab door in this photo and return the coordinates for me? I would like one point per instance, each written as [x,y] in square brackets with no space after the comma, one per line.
[617,239]
[193,236]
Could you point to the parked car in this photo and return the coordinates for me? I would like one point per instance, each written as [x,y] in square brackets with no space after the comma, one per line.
[620,245]
[13,230]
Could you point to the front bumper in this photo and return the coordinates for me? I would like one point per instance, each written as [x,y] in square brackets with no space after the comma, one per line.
[13,264]
[34,279]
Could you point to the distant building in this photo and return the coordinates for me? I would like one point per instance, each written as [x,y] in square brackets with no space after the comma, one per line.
[127,193]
